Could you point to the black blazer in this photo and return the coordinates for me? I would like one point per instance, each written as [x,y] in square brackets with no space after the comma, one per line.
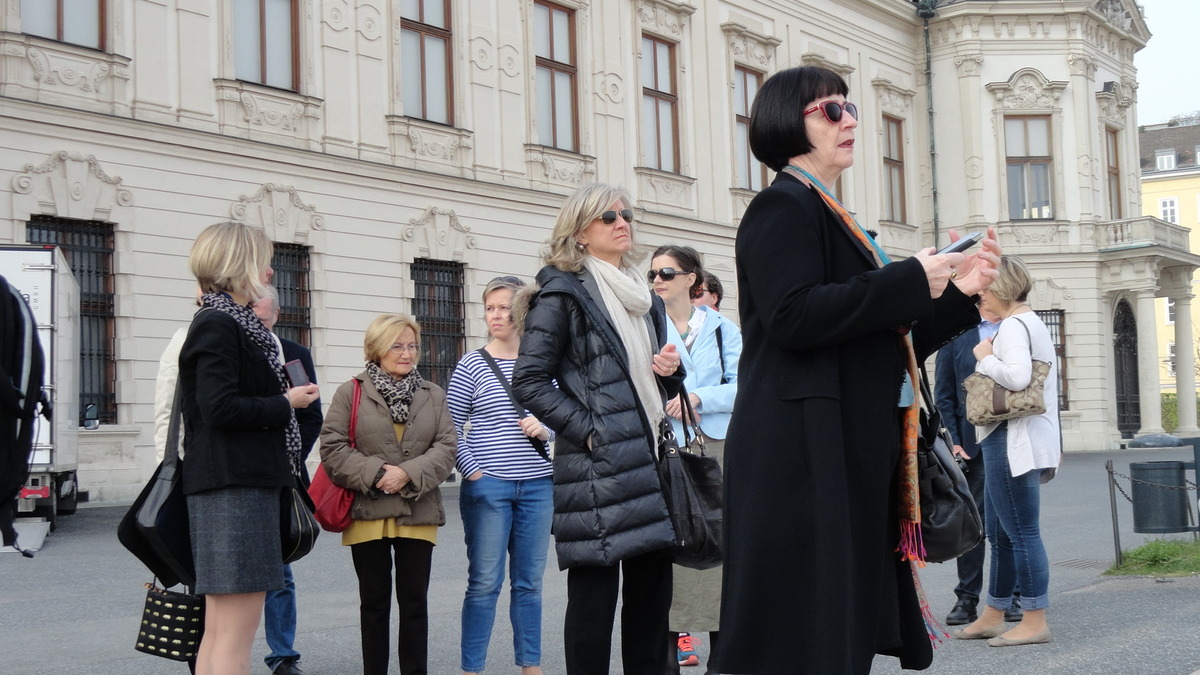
[955,362]
[234,410]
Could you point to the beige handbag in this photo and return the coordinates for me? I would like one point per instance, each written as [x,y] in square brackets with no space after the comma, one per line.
[988,401]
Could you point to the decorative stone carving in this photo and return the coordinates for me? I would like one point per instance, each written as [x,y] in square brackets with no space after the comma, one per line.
[279,210]
[69,185]
[337,15]
[748,46]
[893,100]
[665,189]
[820,60]
[609,87]
[263,109]
[485,56]
[1035,234]
[1027,89]
[665,17]
[439,234]
[429,142]
[559,166]
[968,65]
[369,22]
[1113,103]
[54,72]
[1114,12]
[1081,64]
[1050,294]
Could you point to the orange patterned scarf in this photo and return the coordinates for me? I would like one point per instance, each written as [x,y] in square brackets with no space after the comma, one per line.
[911,546]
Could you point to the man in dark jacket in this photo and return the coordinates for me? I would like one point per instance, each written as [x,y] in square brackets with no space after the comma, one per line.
[279,610]
[22,368]
[955,362]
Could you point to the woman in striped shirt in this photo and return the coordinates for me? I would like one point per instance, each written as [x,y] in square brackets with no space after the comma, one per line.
[505,500]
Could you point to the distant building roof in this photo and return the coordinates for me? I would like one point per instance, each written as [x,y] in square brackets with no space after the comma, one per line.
[1181,139]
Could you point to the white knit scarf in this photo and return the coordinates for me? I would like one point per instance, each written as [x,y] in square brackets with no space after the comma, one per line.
[627,300]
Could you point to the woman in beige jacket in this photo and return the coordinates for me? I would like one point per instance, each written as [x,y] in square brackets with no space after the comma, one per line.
[404,448]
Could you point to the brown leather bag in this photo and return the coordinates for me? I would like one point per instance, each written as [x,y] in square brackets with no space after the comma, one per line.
[989,401]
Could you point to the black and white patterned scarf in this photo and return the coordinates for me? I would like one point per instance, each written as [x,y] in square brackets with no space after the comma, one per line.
[398,394]
[259,335]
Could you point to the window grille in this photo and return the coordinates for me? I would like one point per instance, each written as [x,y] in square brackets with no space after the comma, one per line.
[438,306]
[88,248]
[290,263]
[1055,320]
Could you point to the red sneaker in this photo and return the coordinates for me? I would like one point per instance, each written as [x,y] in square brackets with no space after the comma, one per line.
[686,652]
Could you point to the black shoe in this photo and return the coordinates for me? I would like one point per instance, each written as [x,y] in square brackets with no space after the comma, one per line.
[963,613]
[289,667]
[1014,614]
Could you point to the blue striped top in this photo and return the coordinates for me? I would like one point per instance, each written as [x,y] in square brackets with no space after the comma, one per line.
[495,442]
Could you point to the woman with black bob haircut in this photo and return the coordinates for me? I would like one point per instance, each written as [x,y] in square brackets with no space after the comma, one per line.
[822,510]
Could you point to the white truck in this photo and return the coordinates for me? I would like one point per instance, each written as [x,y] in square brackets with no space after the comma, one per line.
[42,275]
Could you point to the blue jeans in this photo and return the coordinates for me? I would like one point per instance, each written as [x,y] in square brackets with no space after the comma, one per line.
[279,621]
[1012,513]
[499,517]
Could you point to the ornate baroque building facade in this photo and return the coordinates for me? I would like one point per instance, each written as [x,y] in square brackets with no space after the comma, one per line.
[403,152]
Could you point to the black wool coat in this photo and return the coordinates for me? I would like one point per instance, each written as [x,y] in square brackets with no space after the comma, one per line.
[234,411]
[812,580]
[608,503]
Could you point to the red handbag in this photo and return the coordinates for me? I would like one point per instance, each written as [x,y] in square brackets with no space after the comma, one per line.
[333,501]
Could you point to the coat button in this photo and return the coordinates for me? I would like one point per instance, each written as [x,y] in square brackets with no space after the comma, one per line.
[406,453]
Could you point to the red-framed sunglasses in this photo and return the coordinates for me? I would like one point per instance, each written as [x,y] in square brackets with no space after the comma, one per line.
[833,110]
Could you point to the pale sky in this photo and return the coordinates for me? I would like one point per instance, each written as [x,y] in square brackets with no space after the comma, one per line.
[1168,70]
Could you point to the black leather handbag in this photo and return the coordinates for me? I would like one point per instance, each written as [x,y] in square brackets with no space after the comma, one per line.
[950,522]
[155,529]
[298,527]
[692,486]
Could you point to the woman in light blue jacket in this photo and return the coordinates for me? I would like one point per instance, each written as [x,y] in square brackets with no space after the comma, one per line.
[710,346]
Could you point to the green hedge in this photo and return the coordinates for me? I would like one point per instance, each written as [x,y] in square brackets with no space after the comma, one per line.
[1170,412]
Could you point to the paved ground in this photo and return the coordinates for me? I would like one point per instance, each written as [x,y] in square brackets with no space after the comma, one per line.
[74,608]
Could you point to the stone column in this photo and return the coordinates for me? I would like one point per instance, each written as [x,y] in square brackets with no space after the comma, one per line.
[1185,367]
[1149,390]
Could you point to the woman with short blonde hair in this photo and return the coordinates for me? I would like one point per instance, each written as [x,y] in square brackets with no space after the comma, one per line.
[242,442]
[596,330]
[1019,455]
[403,450]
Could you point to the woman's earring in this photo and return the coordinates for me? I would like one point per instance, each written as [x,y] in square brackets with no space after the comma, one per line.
[581,246]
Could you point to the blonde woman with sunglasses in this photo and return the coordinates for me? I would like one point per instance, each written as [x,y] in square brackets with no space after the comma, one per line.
[595,329]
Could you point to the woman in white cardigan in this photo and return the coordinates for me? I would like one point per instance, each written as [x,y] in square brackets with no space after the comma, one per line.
[1018,456]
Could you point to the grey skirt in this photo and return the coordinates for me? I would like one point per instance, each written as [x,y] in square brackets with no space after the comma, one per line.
[235,539]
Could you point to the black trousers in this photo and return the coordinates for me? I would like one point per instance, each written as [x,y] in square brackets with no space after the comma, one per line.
[373,564]
[970,564]
[591,609]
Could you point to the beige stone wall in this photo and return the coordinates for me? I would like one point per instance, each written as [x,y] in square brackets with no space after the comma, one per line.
[162,140]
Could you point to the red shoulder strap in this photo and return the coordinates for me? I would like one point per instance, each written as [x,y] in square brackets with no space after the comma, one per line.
[354,411]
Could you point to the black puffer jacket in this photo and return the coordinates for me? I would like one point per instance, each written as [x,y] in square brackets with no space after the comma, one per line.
[608,504]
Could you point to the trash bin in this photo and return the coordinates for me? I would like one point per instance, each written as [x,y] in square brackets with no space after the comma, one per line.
[1160,502]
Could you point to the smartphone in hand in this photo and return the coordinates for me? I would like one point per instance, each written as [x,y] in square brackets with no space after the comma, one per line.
[962,244]
[295,373]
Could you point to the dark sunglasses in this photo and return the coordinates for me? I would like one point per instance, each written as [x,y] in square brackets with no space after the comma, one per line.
[833,110]
[666,273]
[610,217]
[511,281]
